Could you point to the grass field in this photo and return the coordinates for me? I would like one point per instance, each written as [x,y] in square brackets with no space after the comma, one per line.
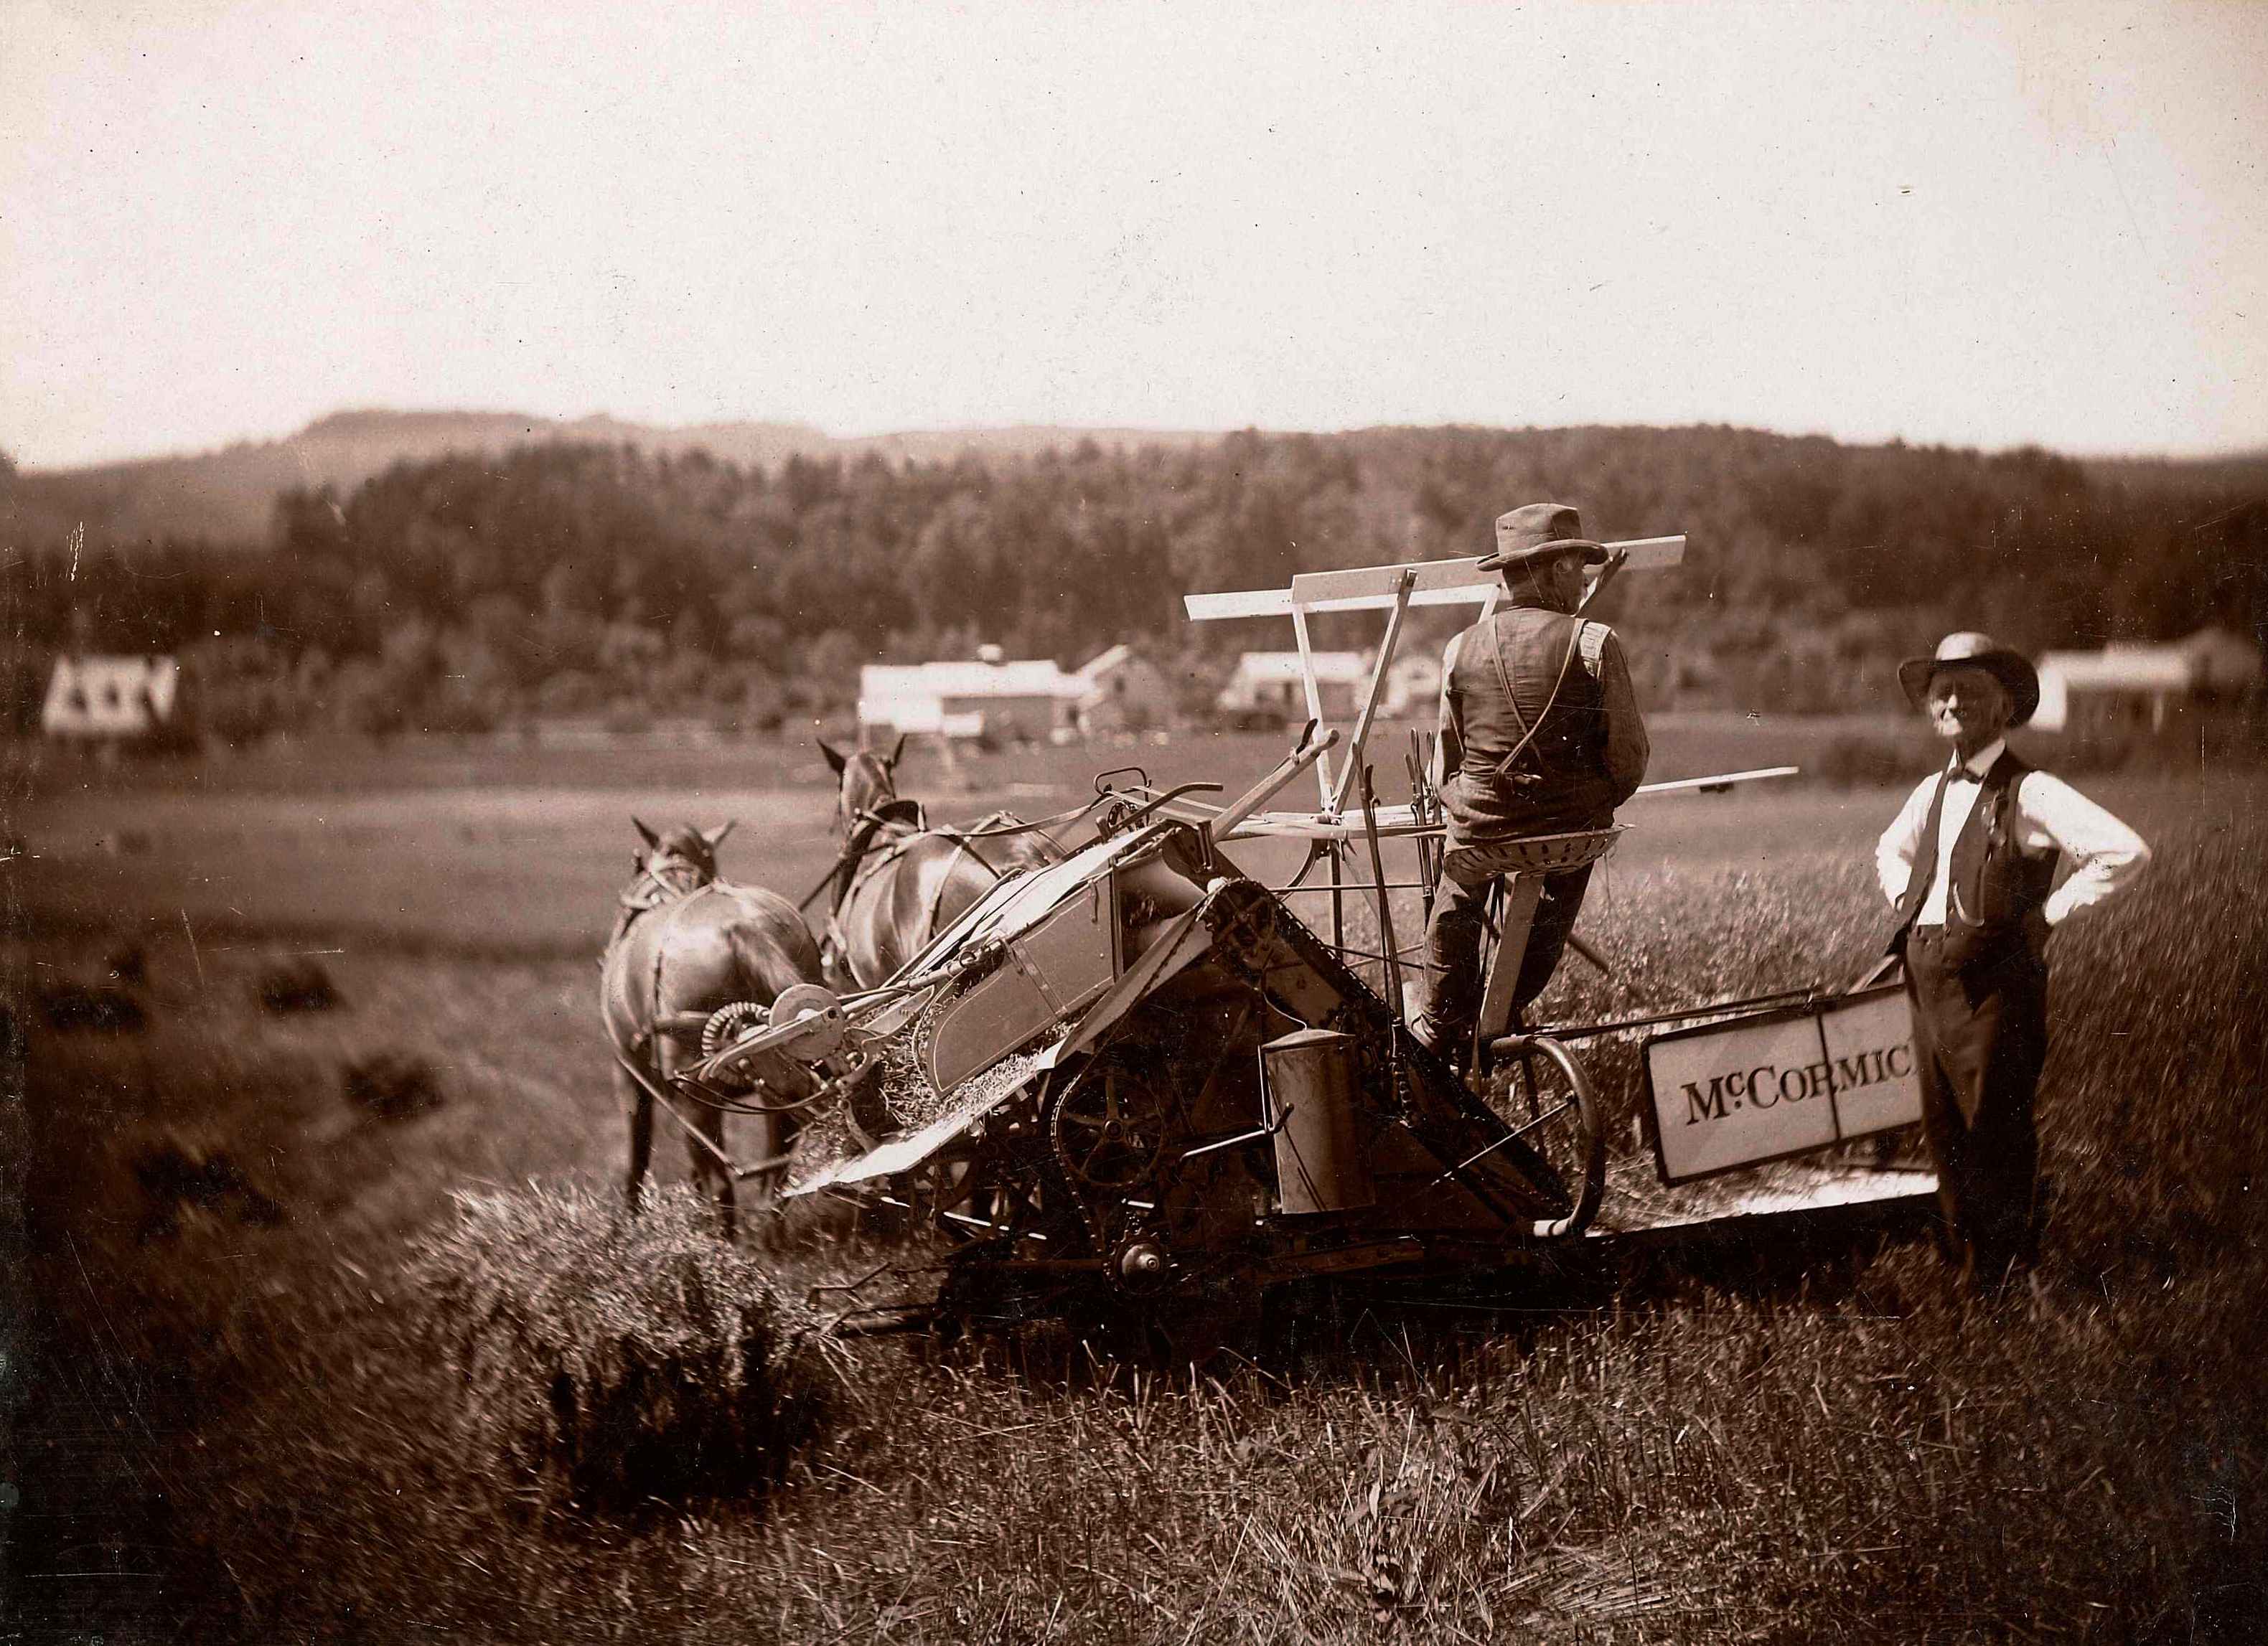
[331,851]
[1685,745]
[242,1421]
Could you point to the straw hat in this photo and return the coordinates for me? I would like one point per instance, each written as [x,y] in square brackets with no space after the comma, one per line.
[1973,651]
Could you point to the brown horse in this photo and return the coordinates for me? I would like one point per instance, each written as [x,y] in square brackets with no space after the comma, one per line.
[684,944]
[900,882]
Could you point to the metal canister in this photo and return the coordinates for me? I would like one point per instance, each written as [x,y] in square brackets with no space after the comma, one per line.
[1309,1078]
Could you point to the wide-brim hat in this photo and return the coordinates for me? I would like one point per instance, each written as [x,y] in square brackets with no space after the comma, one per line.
[1968,649]
[1538,532]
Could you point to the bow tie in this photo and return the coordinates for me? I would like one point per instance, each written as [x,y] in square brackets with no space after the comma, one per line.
[1963,774]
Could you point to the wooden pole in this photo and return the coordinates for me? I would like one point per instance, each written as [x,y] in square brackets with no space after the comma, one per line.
[1311,748]
[1515,920]
[1403,585]
[1385,911]
[1314,700]
[1338,903]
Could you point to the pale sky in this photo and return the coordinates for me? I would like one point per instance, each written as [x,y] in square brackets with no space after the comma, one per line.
[1972,224]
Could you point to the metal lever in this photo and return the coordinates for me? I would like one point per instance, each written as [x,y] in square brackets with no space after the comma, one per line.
[1310,750]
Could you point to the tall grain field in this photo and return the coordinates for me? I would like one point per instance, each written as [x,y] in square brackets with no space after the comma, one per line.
[1841,1448]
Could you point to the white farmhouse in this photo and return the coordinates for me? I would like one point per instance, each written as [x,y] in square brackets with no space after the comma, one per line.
[110,699]
[989,698]
[1413,685]
[1267,686]
[1124,690]
[2132,685]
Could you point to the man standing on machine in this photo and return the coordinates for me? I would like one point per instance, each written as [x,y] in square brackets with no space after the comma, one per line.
[1539,735]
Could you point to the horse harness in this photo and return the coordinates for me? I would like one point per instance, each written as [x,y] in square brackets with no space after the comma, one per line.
[652,890]
[905,823]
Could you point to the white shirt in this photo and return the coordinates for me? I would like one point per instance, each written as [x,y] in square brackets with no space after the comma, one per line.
[2105,855]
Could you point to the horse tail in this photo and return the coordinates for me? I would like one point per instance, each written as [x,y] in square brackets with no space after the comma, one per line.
[773,951]
[626,1039]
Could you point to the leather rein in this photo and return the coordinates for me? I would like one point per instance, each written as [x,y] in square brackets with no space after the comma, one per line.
[880,834]
[901,820]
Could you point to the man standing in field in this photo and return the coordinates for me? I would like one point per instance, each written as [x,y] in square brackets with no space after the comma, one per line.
[1540,734]
[1970,863]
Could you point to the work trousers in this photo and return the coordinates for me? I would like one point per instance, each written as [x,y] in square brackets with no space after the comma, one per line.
[1980,1037]
[1452,949]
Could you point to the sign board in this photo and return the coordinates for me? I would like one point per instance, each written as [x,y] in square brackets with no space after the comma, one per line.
[1781,1082]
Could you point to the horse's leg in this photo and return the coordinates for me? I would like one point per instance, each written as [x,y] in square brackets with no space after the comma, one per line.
[711,1176]
[638,1107]
[770,1142]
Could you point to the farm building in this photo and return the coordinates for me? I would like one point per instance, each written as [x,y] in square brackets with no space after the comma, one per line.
[2131,686]
[1267,686]
[1413,686]
[111,699]
[1124,690]
[989,698]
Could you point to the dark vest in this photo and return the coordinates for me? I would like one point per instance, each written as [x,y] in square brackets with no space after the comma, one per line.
[1535,729]
[1997,886]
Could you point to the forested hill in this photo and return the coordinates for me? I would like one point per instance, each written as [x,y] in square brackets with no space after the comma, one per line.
[228,496]
[570,577]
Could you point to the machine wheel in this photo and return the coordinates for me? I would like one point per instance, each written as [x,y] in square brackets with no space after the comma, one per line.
[972,1202]
[1542,1092]
[1111,1126]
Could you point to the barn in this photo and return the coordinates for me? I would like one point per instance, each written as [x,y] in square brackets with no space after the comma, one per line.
[1267,688]
[1124,690]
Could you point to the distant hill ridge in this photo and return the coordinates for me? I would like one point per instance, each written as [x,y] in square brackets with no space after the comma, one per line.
[226,496]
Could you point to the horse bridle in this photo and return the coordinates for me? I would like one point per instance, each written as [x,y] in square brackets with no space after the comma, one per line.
[656,882]
[887,811]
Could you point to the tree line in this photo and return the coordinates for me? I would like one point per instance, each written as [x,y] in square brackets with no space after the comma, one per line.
[466,593]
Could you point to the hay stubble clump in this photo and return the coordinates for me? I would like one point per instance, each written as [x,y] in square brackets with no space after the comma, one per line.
[611,1360]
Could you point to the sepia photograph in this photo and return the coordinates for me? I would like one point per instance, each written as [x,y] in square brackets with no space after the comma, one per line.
[1139,822]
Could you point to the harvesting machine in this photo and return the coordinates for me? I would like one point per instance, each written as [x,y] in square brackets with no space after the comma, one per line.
[1135,1085]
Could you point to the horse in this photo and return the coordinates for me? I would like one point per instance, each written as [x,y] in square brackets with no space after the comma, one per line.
[899,882]
[687,943]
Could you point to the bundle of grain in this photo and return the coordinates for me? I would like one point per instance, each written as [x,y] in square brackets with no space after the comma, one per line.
[612,1359]
[391,1085]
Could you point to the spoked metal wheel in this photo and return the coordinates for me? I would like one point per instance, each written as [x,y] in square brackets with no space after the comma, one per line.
[1110,1127]
[1010,1243]
[1542,1092]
